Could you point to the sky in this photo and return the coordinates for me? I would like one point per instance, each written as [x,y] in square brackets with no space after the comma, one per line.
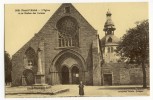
[19,29]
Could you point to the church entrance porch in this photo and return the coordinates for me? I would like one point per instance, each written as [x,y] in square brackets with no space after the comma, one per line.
[68,68]
[70,75]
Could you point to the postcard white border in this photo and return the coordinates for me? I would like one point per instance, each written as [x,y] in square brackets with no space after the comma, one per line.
[73,1]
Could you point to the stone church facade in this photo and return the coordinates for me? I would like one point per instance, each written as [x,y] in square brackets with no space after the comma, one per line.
[67,50]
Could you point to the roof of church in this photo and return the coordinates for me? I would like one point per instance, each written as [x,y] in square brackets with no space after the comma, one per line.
[115,40]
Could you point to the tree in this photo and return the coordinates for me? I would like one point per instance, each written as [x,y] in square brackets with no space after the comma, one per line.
[8,68]
[135,46]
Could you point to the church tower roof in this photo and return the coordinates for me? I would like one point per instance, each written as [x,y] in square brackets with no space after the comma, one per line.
[108,13]
[109,28]
[109,25]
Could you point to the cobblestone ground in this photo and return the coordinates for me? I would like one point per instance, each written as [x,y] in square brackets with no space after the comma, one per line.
[89,91]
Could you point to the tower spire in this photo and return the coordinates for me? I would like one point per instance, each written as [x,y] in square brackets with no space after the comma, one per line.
[108,13]
[109,26]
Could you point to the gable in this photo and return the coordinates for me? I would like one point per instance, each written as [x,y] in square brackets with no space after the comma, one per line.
[66,9]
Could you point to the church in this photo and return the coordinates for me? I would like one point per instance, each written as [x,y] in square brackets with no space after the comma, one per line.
[67,50]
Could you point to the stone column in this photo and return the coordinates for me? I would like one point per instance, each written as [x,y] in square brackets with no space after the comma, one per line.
[39,62]
[70,77]
[40,77]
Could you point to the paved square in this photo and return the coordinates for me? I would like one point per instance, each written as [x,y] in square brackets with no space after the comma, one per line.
[74,91]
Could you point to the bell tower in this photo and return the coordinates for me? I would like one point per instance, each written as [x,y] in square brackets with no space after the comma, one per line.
[109,41]
[109,26]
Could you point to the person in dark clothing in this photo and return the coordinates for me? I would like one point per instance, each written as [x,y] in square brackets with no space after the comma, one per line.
[81,89]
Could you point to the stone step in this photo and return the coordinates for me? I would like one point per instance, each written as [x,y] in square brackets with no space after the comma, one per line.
[47,92]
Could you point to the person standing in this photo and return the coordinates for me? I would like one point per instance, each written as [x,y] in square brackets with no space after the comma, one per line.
[81,89]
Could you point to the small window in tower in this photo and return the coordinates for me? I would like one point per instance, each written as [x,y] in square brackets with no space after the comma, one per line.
[67,9]
[109,32]
[110,39]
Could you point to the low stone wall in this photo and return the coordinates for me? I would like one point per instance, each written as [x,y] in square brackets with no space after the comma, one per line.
[124,74]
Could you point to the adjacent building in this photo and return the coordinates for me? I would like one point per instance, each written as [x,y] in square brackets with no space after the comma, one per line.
[115,71]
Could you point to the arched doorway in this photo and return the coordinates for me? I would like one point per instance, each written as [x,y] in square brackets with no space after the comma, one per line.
[75,75]
[29,76]
[69,59]
[65,75]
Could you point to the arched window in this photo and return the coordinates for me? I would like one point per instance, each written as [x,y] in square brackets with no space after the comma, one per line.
[30,59]
[68,32]
[109,39]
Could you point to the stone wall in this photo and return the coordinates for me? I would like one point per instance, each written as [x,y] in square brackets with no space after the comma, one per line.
[125,74]
[96,57]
